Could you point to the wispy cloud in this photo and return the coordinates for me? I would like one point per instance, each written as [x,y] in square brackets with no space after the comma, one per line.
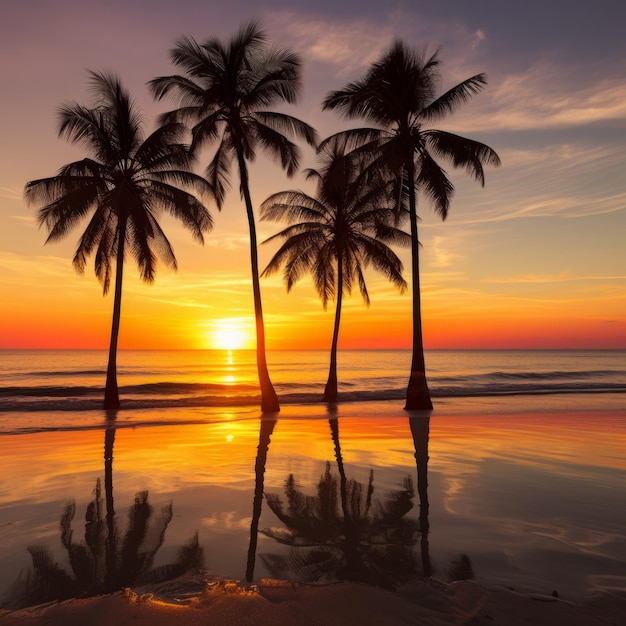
[552,278]
[351,45]
[443,250]
[571,179]
[30,220]
[11,193]
[547,96]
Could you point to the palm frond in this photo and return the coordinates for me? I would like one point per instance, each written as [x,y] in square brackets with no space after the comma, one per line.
[279,147]
[217,173]
[449,101]
[463,152]
[123,181]
[206,130]
[185,207]
[351,139]
[289,125]
[435,183]
[292,206]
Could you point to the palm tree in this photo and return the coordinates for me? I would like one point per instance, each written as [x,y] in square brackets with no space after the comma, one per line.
[399,94]
[124,184]
[335,235]
[224,93]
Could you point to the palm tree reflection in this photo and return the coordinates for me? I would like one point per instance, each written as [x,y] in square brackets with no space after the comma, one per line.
[343,533]
[104,560]
[420,430]
[265,432]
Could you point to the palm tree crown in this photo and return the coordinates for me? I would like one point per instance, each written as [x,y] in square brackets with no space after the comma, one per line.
[399,94]
[336,234]
[224,94]
[125,183]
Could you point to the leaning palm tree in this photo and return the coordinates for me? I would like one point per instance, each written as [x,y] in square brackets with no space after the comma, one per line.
[399,94]
[124,184]
[224,94]
[335,235]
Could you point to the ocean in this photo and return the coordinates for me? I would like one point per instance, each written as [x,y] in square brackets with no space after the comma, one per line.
[73,380]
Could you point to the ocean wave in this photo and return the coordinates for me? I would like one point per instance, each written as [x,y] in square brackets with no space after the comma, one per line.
[181,395]
[565,375]
[66,373]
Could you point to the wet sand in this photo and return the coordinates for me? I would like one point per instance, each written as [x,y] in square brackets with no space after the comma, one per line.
[533,496]
[427,603]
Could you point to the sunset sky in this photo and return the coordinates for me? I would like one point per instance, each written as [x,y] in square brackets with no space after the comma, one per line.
[535,259]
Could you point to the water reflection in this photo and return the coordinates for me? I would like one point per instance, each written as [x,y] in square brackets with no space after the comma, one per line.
[265,432]
[420,431]
[460,568]
[106,559]
[343,532]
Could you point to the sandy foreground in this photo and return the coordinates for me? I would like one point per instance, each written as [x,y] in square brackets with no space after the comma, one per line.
[428,603]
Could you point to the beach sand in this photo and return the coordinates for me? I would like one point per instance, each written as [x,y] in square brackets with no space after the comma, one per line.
[428,603]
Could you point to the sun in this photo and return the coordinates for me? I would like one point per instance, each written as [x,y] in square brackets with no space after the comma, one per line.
[230,339]
[229,334]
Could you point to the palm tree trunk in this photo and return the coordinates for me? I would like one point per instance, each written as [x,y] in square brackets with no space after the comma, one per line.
[330,392]
[111,395]
[417,394]
[269,399]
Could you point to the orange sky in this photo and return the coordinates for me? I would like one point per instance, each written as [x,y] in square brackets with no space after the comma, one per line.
[533,260]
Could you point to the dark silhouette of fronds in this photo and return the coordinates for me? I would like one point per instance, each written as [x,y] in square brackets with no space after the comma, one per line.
[399,94]
[121,188]
[224,95]
[335,235]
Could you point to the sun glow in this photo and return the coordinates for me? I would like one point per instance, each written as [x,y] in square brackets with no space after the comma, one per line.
[229,334]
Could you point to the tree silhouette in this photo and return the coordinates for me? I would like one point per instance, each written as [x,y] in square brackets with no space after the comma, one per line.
[224,94]
[399,94]
[124,184]
[335,235]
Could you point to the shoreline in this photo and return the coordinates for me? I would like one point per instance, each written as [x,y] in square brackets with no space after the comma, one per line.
[428,602]
[29,422]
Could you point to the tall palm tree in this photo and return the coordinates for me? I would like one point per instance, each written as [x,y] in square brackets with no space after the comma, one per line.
[124,184]
[399,95]
[224,94]
[335,235]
